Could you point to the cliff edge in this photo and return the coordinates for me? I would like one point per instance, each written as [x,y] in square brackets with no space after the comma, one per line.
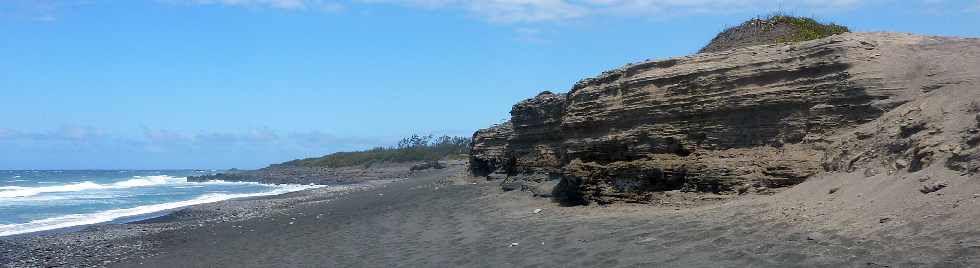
[745,120]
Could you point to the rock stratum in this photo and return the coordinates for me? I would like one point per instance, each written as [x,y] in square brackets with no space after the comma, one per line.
[745,120]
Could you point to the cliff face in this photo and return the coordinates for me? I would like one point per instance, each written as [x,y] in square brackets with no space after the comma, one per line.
[738,120]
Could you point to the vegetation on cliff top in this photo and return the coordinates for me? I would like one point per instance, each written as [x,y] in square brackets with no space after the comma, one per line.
[810,28]
[774,28]
[414,148]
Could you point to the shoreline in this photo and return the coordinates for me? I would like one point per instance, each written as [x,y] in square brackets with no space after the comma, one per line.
[143,212]
[442,218]
[53,248]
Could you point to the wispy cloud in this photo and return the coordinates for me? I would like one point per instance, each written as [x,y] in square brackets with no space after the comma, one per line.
[522,11]
[163,137]
[251,137]
[320,5]
[529,11]
[496,11]
[76,133]
[284,4]
[38,10]
[318,138]
[7,134]
[67,133]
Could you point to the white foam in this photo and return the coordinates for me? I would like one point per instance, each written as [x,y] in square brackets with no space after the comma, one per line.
[109,215]
[141,181]
[189,187]
[16,191]
[137,181]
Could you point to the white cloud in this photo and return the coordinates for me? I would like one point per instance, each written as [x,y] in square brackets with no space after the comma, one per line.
[284,4]
[77,133]
[278,4]
[46,18]
[6,133]
[38,10]
[505,11]
[252,136]
[527,10]
[316,138]
[165,136]
[65,133]
[499,11]
[511,11]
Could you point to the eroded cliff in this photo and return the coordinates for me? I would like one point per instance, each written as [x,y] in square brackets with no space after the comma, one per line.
[742,120]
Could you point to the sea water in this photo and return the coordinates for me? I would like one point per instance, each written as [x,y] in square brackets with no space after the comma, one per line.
[35,200]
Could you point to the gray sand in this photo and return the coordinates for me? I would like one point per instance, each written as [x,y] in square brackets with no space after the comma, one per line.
[437,219]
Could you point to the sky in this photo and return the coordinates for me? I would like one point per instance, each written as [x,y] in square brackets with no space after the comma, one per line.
[165,84]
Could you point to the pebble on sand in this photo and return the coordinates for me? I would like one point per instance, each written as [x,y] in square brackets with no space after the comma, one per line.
[536,211]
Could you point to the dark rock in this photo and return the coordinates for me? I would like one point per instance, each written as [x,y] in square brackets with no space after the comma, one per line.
[906,129]
[427,165]
[489,155]
[932,187]
[815,236]
[901,164]
[511,185]
[546,188]
[497,176]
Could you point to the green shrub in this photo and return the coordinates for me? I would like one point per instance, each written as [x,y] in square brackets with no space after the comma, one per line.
[810,28]
[414,148]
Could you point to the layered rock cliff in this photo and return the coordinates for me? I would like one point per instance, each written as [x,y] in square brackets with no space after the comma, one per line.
[746,119]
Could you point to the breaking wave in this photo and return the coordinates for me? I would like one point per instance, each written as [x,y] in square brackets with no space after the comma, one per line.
[113,214]
[137,181]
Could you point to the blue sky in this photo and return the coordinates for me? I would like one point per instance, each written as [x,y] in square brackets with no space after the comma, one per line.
[244,83]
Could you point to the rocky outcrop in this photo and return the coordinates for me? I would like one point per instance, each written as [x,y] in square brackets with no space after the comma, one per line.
[491,154]
[749,118]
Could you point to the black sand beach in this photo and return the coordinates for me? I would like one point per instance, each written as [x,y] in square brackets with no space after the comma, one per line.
[784,142]
[437,219]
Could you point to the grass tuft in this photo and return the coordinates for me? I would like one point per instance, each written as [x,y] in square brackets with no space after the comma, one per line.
[810,28]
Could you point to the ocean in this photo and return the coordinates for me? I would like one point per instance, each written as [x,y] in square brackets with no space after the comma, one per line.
[35,200]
